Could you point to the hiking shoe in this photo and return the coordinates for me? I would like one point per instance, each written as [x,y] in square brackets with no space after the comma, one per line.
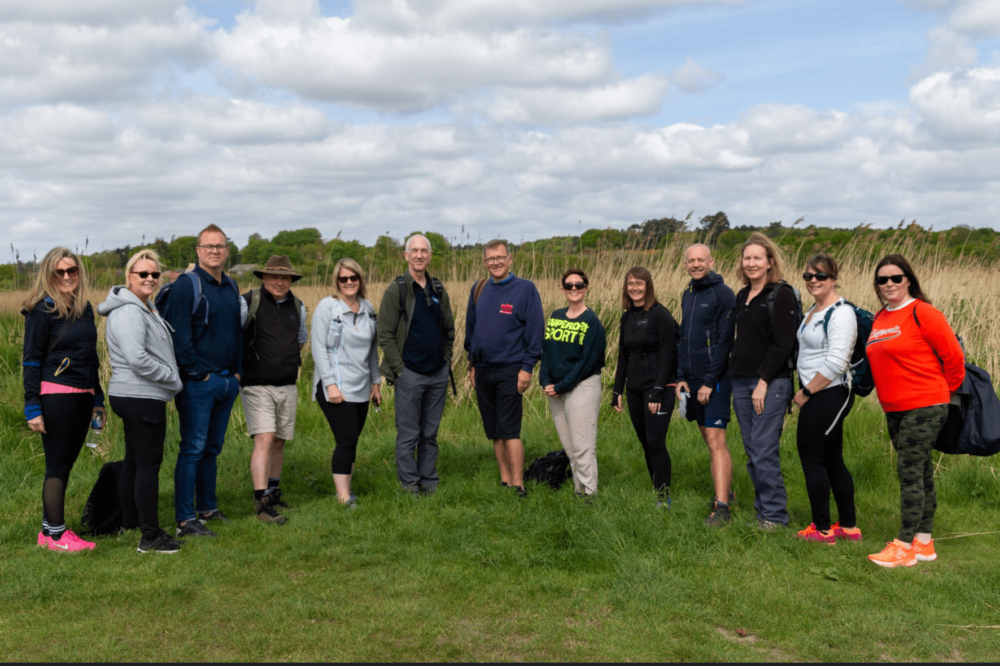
[711,502]
[504,484]
[812,534]
[277,499]
[161,544]
[215,515]
[895,554]
[194,528]
[265,513]
[925,551]
[769,525]
[663,504]
[720,515]
[849,533]
[520,491]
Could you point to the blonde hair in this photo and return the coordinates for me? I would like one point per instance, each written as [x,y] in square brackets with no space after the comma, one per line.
[148,255]
[773,255]
[45,285]
[350,265]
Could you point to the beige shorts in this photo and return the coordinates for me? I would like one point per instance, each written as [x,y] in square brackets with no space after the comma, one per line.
[270,409]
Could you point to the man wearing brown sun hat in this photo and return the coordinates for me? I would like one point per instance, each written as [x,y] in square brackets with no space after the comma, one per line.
[274,331]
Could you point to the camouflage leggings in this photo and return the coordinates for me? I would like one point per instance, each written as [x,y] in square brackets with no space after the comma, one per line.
[913,434]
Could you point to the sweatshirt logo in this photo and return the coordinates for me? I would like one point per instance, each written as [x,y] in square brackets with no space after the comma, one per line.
[883,334]
[506,308]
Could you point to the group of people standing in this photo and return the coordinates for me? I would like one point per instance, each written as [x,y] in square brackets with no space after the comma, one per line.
[201,342]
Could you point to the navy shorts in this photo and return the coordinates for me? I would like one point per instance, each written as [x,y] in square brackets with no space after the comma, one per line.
[716,413]
[499,402]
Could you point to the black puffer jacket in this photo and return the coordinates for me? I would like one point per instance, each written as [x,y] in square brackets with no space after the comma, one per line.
[73,362]
[647,352]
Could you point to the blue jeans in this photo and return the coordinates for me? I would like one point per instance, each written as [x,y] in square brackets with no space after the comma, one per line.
[203,409]
[761,441]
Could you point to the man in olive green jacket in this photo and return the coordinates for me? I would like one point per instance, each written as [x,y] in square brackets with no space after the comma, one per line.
[416,341]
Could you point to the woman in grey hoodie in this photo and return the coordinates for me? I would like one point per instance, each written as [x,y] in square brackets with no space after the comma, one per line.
[345,354]
[144,379]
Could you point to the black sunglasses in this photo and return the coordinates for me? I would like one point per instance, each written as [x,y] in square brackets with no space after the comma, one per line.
[570,286]
[145,274]
[822,277]
[344,279]
[883,280]
[73,271]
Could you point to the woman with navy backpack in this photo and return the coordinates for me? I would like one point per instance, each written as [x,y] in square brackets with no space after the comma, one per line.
[826,342]
[62,392]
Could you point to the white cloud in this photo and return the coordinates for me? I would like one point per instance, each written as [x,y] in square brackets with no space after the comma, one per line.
[978,17]
[621,100]
[960,108]
[693,78]
[88,12]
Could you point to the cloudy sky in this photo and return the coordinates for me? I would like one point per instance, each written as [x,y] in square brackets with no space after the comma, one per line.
[522,118]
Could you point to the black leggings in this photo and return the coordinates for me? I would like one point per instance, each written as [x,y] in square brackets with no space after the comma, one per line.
[822,456]
[652,432]
[145,423]
[347,420]
[67,418]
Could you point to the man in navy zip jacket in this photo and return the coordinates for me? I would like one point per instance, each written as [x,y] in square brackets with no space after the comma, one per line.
[504,328]
[703,352]
[209,347]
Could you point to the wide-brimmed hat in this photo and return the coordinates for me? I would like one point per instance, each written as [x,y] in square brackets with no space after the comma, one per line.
[278,264]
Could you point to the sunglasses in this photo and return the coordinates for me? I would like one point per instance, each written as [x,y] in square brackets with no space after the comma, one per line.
[883,280]
[570,286]
[145,274]
[822,277]
[72,272]
[344,279]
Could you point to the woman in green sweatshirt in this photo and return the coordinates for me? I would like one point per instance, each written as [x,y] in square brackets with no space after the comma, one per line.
[572,359]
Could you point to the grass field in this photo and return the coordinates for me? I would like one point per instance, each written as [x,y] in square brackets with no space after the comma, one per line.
[472,574]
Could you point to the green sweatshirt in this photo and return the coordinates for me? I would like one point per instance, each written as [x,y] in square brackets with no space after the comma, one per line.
[573,349]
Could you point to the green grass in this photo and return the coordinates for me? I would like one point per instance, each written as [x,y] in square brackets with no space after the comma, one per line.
[473,574]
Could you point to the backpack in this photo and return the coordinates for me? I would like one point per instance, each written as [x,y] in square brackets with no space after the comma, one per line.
[478,290]
[163,298]
[438,289]
[859,372]
[973,425]
[102,514]
[771,302]
[255,305]
[552,468]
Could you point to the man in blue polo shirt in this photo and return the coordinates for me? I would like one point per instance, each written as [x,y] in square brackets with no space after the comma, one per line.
[504,327]
[208,345]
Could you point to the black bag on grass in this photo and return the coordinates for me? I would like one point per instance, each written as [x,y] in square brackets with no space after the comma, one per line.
[552,468]
[102,514]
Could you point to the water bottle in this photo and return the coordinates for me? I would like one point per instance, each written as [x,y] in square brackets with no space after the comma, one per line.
[96,428]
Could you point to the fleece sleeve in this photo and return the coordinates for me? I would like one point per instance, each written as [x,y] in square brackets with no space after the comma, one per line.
[940,336]
[841,334]
[534,330]
[179,318]
[325,367]
[127,331]
[783,326]
[666,355]
[388,327]
[621,372]
[722,335]
[36,337]
[470,322]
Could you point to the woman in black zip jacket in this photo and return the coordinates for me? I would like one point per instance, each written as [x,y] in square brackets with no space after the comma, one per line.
[647,366]
[62,391]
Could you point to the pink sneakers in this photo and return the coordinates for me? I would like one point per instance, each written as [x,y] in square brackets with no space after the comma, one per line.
[812,534]
[69,543]
[849,533]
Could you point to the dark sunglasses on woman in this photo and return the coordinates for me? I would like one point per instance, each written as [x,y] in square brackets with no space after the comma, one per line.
[570,286]
[145,274]
[72,271]
[344,279]
[822,277]
[882,280]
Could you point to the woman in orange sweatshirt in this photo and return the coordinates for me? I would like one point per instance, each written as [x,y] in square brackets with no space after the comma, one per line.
[917,363]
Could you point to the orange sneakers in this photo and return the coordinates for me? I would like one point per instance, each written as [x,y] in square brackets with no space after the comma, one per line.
[849,533]
[812,534]
[895,554]
[925,551]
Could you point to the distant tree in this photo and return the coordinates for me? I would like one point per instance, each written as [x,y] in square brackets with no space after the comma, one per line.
[298,238]
[713,225]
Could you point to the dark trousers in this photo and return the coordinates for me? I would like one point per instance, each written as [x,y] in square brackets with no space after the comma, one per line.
[822,456]
[762,443]
[347,420]
[651,429]
[419,406]
[913,435]
[145,422]
[67,418]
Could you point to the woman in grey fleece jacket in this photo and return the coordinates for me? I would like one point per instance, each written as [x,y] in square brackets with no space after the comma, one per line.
[345,353]
[144,377]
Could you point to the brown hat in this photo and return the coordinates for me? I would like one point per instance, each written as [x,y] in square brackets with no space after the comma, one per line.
[278,264]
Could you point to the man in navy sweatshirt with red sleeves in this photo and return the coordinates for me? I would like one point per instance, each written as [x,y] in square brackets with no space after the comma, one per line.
[504,327]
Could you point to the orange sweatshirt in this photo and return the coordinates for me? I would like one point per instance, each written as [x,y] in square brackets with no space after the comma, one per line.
[908,375]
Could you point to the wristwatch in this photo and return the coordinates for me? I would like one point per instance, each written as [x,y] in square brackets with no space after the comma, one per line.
[806,392]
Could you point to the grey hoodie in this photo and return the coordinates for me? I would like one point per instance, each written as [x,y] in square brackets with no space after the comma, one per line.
[141,349]
[345,349]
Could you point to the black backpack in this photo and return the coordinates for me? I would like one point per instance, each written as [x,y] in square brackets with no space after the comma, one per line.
[552,468]
[102,514]
[973,426]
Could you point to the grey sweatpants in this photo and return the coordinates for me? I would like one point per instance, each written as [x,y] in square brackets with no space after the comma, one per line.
[419,406]
[761,441]
[575,416]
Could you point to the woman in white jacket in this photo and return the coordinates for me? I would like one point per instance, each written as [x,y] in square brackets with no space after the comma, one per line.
[345,354]
[826,341]
[144,378]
